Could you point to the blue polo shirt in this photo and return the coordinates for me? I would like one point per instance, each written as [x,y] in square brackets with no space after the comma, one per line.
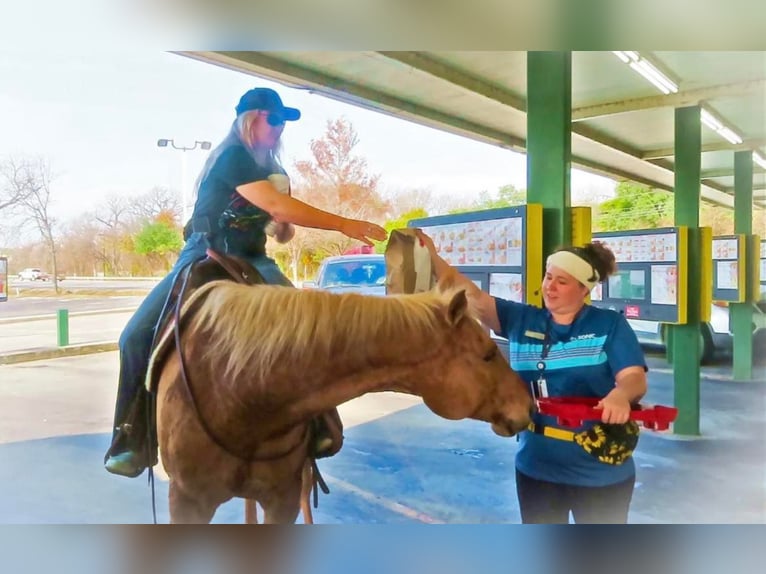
[582,361]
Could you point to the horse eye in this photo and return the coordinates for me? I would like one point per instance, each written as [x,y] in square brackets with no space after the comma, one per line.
[490,355]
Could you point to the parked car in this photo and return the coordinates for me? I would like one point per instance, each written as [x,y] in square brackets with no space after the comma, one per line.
[715,336]
[364,274]
[33,274]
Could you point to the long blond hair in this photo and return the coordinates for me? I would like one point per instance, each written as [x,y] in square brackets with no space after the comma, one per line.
[244,125]
[241,131]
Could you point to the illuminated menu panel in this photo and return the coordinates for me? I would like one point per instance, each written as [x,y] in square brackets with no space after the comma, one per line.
[649,247]
[650,277]
[3,279]
[729,268]
[493,242]
[763,262]
[502,247]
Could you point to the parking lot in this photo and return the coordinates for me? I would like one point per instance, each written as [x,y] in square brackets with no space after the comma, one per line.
[400,462]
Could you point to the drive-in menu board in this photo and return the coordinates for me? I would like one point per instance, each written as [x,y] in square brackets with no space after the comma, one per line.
[651,274]
[493,242]
[762,268]
[729,268]
[499,248]
[3,279]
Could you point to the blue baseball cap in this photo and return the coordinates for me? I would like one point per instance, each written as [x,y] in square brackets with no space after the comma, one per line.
[268,100]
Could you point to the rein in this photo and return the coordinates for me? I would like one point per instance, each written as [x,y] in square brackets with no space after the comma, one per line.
[240,278]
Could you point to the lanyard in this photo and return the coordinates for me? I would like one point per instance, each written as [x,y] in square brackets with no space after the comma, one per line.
[539,387]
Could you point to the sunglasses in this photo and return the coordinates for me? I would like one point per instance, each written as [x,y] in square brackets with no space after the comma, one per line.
[275,119]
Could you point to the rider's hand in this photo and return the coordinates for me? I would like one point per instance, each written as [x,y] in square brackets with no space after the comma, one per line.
[284,232]
[364,231]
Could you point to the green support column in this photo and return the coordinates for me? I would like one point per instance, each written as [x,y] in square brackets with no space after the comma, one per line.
[686,364]
[549,136]
[741,314]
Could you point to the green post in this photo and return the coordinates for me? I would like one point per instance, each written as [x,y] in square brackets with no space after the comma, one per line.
[62,327]
[741,314]
[549,136]
[686,364]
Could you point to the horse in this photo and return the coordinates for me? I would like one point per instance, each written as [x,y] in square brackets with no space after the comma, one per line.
[255,364]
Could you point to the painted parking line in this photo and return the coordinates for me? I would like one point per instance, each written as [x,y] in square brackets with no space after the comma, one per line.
[389,505]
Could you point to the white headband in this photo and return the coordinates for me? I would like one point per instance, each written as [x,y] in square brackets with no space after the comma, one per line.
[576,266]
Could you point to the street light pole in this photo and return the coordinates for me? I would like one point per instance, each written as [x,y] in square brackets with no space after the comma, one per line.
[204,145]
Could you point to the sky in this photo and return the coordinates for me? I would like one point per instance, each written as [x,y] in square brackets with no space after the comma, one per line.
[96,116]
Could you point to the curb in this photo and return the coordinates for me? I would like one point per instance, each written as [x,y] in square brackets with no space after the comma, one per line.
[53,316]
[56,352]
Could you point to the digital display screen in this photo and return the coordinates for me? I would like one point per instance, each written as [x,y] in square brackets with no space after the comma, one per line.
[628,284]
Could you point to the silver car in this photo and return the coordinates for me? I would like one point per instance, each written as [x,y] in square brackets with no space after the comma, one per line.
[364,274]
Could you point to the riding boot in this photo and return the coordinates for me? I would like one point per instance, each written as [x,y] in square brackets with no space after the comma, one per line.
[132,449]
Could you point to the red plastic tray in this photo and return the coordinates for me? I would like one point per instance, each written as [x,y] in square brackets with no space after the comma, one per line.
[572,411]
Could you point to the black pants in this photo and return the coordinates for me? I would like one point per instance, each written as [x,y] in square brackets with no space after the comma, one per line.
[544,502]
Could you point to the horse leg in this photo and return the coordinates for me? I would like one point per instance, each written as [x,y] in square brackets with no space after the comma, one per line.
[185,509]
[282,507]
[251,511]
[307,481]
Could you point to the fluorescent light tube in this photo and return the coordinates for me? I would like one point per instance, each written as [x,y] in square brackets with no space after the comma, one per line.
[641,70]
[621,56]
[709,120]
[662,78]
[729,135]
[759,160]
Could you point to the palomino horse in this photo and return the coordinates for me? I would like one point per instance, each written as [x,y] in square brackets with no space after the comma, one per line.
[263,360]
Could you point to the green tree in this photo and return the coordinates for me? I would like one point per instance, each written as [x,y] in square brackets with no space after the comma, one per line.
[399,223]
[158,240]
[634,206]
[506,196]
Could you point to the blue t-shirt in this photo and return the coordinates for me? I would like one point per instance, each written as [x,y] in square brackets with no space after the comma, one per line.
[582,361]
[237,225]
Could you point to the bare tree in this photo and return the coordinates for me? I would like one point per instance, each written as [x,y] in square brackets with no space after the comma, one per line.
[32,179]
[15,183]
[115,216]
[156,201]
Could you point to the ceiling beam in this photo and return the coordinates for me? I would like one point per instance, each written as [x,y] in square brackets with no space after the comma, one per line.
[747,145]
[455,76]
[276,68]
[727,171]
[677,100]
[336,88]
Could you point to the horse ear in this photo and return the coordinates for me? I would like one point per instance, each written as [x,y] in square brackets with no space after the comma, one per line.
[458,307]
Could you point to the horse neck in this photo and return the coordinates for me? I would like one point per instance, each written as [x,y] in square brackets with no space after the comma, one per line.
[403,366]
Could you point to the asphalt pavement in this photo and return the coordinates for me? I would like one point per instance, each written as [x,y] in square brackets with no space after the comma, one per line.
[400,463]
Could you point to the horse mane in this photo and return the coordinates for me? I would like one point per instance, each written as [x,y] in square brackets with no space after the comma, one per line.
[257,326]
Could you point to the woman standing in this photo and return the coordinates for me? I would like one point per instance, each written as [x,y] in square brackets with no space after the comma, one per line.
[243,194]
[569,349]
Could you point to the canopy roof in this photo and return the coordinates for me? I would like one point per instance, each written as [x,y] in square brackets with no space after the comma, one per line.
[622,125]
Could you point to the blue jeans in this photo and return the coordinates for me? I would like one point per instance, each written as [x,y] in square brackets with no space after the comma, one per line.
[136,339]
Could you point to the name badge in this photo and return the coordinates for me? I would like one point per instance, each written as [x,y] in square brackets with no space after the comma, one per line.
[535,335]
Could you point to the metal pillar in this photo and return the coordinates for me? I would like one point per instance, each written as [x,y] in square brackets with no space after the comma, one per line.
[686,364]
[741,314]
[549,136]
